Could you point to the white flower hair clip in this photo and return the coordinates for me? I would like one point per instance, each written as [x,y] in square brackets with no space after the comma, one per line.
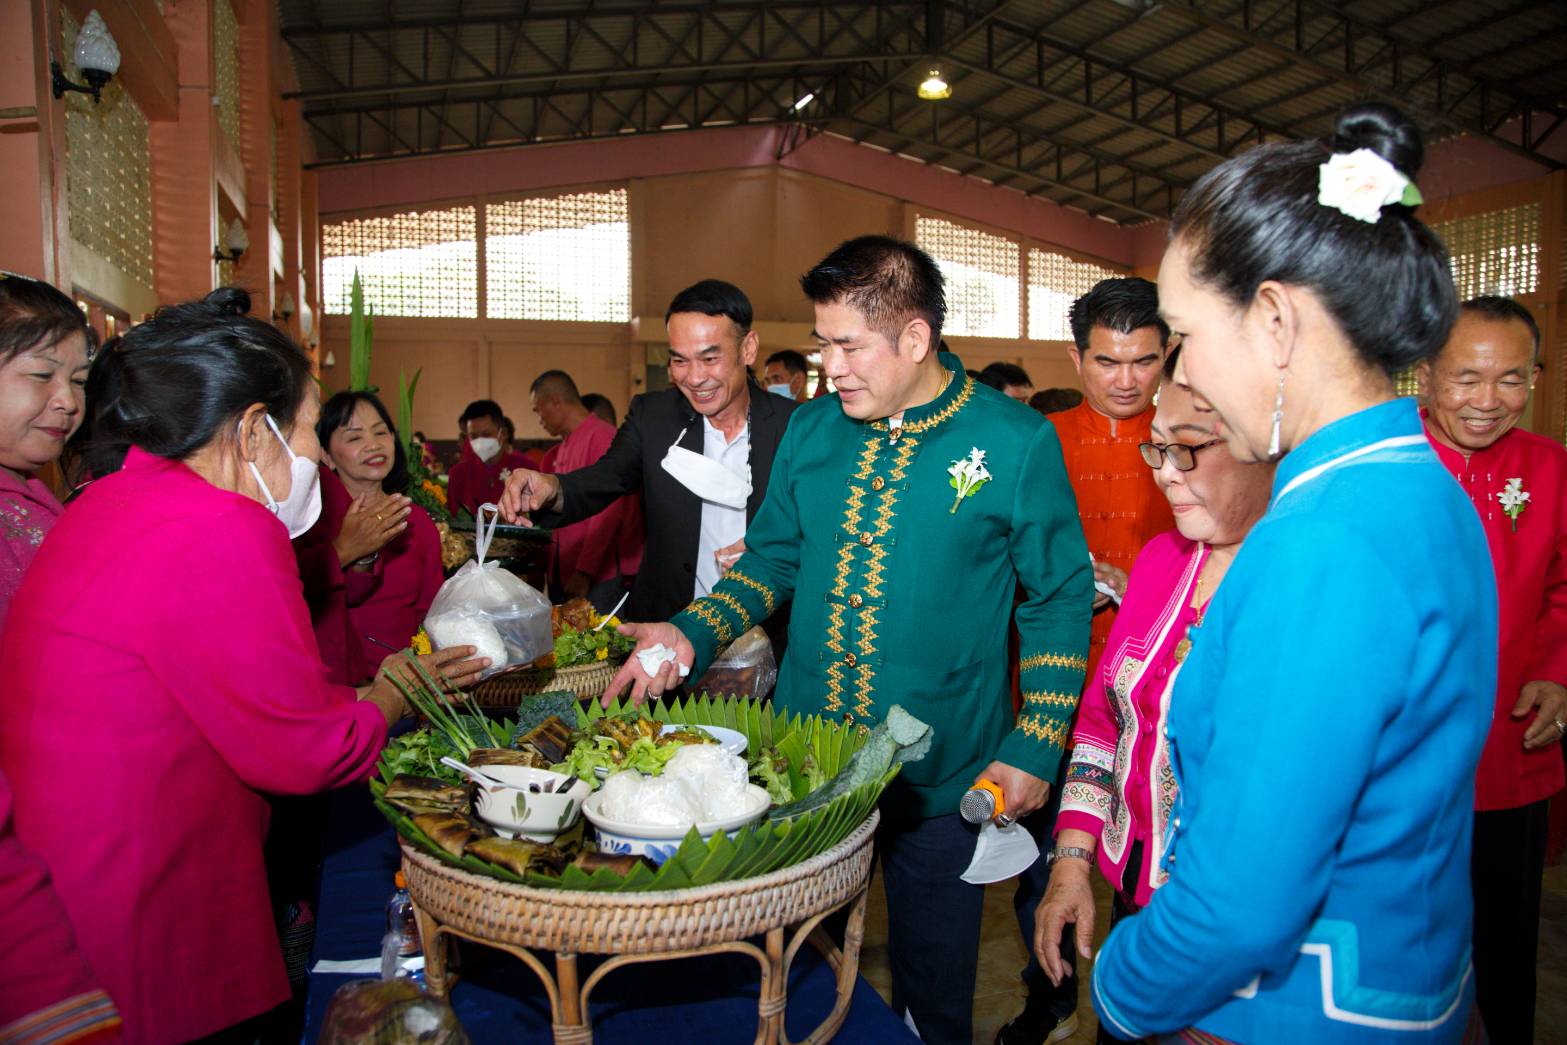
[1360,183]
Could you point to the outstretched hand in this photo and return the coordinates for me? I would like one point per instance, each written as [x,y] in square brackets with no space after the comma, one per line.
[526,492]
[631,674]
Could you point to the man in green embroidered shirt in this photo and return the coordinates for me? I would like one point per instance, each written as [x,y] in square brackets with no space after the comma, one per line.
[902,514]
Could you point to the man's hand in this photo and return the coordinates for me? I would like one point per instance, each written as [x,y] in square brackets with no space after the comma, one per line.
[527,492]
[1024,792]
[370,525]
[631,673]
[1069,898]
[727,557]
[1551,700]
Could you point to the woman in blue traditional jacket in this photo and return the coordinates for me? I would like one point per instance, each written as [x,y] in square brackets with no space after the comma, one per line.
[1327,725]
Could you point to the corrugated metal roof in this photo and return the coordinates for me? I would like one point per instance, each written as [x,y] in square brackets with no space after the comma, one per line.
[1112,106]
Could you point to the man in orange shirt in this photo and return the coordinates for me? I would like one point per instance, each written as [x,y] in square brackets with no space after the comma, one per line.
[1119,354]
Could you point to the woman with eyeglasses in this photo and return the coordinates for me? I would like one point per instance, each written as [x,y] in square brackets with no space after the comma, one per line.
[1119,790]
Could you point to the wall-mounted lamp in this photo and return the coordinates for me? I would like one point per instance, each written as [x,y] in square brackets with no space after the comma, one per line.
[330,360]
[235,243]
[285,307]
[934,88]
[97,56]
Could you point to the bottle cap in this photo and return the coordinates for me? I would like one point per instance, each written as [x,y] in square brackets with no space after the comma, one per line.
[400,880]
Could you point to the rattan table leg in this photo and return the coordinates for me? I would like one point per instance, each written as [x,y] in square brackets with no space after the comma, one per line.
[772,1001]
[845,962]
[571,1025]
[433,940]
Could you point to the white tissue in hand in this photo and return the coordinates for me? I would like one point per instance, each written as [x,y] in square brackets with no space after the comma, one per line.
[631,798]
[460,629]
[718,779]
[656,657]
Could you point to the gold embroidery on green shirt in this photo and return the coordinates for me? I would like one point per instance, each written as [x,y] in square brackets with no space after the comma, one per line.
[1052,700]
[944,414]
[1054,660]
[713,619]
[734,604]
[1043,729]
[768,598]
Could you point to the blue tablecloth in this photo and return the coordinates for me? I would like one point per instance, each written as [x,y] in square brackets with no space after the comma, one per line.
[497,999]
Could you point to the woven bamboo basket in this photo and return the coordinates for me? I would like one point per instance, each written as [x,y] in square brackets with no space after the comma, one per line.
[587,681]
[650,926]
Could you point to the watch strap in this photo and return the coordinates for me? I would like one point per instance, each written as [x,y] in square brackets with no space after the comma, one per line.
[1071,852]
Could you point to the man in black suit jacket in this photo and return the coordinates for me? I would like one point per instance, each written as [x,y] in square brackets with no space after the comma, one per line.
[713,405]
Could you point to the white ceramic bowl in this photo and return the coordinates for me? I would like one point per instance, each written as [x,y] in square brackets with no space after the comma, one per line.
[659,843]
[730,741]
[515,811]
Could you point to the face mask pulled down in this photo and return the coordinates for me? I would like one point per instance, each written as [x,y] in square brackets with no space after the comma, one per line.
[298,511]
[705,477]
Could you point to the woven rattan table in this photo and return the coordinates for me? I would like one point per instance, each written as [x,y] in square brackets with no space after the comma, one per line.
[786,908]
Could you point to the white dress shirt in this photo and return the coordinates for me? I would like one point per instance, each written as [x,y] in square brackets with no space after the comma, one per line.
[721,526]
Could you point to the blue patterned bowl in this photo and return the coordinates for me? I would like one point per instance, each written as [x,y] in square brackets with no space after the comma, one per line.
[659,843]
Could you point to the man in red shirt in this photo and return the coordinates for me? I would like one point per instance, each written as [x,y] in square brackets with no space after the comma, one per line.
[1119,343]
[480,476]
[598,557]
[1475,392]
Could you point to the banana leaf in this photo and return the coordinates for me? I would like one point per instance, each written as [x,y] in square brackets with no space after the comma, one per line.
[761,848]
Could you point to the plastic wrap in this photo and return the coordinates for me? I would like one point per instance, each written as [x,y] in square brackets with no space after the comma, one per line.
[389,1012]
[491,609]
[747,669]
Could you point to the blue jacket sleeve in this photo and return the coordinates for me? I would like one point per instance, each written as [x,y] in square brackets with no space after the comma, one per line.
[1315,653]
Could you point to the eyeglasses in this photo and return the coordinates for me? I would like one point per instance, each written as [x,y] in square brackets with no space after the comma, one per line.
[1182,456]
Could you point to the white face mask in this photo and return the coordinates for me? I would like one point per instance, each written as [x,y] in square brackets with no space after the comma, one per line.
[1000,853]
[705,477]
[781,390]
[300,510]
[485,447]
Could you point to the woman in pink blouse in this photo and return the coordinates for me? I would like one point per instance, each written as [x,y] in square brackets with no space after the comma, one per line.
[389,590]
[44,343]
[1119,789]
[160,674]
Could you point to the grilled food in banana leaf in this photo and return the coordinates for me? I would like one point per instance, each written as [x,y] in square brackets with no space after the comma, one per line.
[627,731]
[900,738]
[415,795]
[550,739]
[505,756]
[450,831]
[620,864]
[519,855]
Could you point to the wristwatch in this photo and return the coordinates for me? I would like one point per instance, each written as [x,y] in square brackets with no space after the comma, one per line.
[1070,852]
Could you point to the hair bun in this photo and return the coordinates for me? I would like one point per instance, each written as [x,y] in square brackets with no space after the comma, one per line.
[1385,131]
[232,301]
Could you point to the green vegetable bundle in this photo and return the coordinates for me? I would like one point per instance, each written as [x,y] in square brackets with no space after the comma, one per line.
[573,647]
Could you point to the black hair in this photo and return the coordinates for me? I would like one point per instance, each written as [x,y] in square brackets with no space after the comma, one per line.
[1495,307]
[790,360]
[481,408]
[1000,374]
[714,297]
[176,382]
[1055,400]
[419,435]
[508,429]
[600,405]
[338,410]
[1256,217]
[34,314]
[1122,304]
[556,384]
[886,280]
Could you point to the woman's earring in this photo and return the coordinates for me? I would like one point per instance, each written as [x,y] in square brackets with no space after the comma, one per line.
[1278,418]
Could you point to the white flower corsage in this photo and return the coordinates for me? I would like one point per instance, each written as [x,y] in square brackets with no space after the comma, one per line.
[1361,183]
[1514,500]
[968,475]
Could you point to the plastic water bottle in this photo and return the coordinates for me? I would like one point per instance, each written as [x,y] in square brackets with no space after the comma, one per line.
[401,941]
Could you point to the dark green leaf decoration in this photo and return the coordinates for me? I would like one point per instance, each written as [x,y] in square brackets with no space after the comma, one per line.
[758,849]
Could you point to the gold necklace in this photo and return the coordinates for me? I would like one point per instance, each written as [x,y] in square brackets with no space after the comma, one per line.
[1184,647]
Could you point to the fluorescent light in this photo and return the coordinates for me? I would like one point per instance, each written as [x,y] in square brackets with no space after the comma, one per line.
[804,100]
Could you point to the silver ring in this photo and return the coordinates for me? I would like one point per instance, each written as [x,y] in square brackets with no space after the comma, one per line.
[1003,820]
[1561,727]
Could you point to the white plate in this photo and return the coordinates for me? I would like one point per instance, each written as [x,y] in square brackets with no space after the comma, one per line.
[730,741]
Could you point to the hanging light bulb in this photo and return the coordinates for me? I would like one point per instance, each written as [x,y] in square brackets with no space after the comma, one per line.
[934,89]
